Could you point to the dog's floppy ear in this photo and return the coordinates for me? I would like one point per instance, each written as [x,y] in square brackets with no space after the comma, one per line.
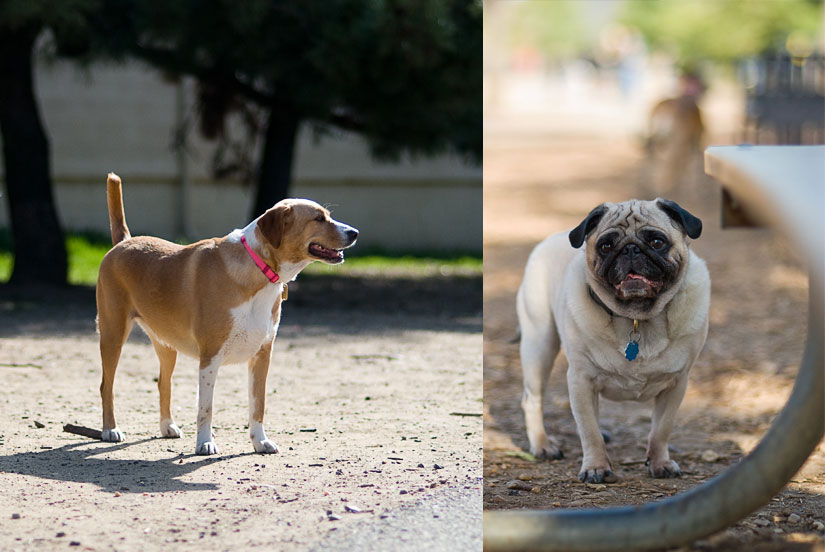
[690,224]
[274,223]
[579,233]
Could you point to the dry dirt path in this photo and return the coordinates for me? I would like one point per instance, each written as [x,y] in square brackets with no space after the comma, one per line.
[537,186]
[361,400]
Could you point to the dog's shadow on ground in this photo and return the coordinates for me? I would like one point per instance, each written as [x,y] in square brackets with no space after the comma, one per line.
[90,462]
[343,305]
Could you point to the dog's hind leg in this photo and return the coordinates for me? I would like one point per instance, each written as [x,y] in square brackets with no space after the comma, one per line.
[539,347]
[114,326]
[167,357]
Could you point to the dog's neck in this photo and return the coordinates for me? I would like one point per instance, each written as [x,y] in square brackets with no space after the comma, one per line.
[259,262]
[632,348]
[286,271]
[599,302]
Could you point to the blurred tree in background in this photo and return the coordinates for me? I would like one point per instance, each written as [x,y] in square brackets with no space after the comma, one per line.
[689,31]
[39,248]
[404,74]
[557,29]
[723,31]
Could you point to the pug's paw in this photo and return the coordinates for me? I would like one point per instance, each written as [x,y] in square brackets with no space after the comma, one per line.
[602,474]
[544,449]
[664,470]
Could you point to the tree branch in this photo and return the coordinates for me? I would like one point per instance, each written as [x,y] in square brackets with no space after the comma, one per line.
[166,59]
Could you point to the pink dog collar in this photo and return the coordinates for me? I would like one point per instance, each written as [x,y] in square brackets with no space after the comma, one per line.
[259,262]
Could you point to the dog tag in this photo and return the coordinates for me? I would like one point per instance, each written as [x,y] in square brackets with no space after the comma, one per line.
[631,350]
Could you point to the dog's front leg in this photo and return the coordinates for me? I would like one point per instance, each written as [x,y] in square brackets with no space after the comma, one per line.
[665,406]
[584,401]
[206,387]
[258,369]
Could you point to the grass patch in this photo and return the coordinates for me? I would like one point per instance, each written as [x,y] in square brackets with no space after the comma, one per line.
[6,263]
[384,264]
[85,253]
[86,249]
[6,258]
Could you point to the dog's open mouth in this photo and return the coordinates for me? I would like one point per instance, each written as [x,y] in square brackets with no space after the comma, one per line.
[636,286]
[331,256]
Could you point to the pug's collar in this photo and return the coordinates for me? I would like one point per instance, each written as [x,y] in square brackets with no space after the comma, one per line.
[600,302]
[632,348]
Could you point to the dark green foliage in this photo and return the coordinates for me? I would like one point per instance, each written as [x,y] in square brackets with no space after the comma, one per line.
[405,74]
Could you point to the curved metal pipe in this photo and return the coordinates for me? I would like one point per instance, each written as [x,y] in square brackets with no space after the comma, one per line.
[717,503]
[705,509]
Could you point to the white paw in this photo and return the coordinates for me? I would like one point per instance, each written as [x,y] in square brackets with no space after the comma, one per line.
[113,435]
[169,429]
[266,446]
[209,447]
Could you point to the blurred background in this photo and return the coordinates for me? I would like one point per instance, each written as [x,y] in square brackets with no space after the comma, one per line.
[599,67]
[212,112]
[592,101]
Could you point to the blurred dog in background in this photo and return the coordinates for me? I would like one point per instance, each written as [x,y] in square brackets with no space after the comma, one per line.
[674,137]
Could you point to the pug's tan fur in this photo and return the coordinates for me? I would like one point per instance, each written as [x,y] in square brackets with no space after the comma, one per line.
[557,310]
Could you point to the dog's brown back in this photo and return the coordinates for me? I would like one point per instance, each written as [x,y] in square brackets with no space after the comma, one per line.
[674,143]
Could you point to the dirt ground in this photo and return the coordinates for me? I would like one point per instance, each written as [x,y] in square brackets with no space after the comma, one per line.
[539,185]
[374,397]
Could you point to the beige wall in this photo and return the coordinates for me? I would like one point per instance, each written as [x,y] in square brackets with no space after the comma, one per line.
[122,119]
[393,215]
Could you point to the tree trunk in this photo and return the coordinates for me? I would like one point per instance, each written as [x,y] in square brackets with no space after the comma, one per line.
[276,162]
[39,246]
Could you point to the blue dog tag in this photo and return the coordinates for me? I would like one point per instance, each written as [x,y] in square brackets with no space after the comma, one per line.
[631,350]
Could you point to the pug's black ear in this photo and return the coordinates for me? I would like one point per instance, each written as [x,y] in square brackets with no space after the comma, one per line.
[579,233]
[690,224]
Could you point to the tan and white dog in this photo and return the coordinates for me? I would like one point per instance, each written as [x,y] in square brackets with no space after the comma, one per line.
[217,300]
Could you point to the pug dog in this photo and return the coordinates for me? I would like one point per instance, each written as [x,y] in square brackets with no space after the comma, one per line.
[630,310]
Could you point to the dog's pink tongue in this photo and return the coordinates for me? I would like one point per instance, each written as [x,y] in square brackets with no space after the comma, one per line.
[632,276]
[635,283]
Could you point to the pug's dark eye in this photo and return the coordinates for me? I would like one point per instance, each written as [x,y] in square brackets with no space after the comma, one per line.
[657,244]
[605,247]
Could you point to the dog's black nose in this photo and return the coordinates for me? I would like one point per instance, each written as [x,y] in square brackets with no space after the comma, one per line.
[631,250]
[352,233]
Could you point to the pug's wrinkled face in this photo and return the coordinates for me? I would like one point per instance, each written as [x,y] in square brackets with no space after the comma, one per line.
[637,253]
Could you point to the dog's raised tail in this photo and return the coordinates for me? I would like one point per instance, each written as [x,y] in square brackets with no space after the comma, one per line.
[117,218]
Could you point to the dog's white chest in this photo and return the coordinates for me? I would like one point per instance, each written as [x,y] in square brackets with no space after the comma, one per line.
[653,371]
[635,381]
[252,325]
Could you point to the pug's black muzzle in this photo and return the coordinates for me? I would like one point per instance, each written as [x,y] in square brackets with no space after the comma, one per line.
[636,271]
